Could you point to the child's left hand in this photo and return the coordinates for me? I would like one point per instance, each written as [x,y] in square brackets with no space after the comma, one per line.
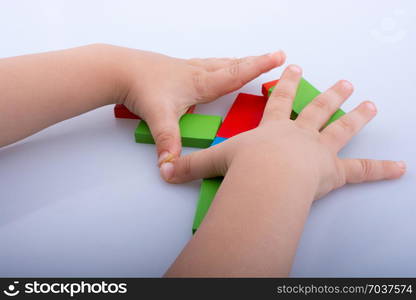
[156,87]
[161,88]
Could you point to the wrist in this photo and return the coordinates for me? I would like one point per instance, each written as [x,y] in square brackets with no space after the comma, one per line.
[110,71]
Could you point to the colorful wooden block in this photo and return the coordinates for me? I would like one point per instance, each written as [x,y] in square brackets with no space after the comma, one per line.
[305,93]
[218,140]
[122,112]
[265,87]
[196,130]
[191,110]
[209,188]
[245,114]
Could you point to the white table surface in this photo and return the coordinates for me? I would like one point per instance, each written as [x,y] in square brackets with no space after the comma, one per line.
[83,199]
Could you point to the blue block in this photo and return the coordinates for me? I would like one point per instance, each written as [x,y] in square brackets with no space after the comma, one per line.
[218,140]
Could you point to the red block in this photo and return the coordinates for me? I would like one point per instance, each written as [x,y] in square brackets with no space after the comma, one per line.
[191,109]
[266,86]
[120,111]
[245,114]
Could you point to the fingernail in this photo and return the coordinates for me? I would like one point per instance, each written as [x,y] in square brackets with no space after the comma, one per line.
[371,106]
[346,85]
[280,56]
[401,165]
[295,68]
[166,170]
[165,156]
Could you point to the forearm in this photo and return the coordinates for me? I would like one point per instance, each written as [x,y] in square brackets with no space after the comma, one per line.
[254,224]
[42,89]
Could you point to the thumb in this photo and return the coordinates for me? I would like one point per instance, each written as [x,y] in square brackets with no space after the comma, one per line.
[200,164]
[165,131]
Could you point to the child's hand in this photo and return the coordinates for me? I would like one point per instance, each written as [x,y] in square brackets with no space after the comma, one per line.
[162,88]
[298,145]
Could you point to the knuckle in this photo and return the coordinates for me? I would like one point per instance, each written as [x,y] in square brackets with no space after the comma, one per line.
[187,165]
[366,168]
[322,104]
[235,72]
[386,165]
[198,79]
[234,68]
[164,137]
[282,95]
[203,87]
[330,136]
[346,125]
[333,139]
[275,110]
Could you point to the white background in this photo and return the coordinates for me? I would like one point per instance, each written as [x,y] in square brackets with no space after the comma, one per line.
[83,199]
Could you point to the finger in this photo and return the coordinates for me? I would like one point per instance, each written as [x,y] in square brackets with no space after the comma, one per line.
[211,85]
[212,64]
[317,113]
[362,170]
[279,105]
[338,133]
[200,164]
[164,127]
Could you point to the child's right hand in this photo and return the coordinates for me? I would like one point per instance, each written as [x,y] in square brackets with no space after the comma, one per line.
[298,145]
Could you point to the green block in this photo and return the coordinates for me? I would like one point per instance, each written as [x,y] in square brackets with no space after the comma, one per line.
[338,114]
[293,115]
[304,95]
[196,130]
[209,188]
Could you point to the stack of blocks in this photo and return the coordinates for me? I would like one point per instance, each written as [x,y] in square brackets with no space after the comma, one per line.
[202,131]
